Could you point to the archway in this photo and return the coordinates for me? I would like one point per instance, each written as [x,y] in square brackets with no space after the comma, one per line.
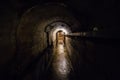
[52,29]
[60,38]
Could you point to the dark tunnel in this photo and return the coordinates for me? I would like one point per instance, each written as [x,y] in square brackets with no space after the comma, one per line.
[59,40]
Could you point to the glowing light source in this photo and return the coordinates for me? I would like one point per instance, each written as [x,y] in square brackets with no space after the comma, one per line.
[62,29]
[56,30]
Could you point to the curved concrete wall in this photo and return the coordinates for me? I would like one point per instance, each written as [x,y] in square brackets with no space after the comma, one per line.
[31,36]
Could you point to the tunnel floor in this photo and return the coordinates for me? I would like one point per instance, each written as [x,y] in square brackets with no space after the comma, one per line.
[57,63]
[61,64]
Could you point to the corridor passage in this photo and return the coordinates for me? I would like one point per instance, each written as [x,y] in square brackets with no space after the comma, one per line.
[61,63]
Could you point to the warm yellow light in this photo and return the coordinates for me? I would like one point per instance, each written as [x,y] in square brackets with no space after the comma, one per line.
[62,29]
[56,30]
[60,49]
